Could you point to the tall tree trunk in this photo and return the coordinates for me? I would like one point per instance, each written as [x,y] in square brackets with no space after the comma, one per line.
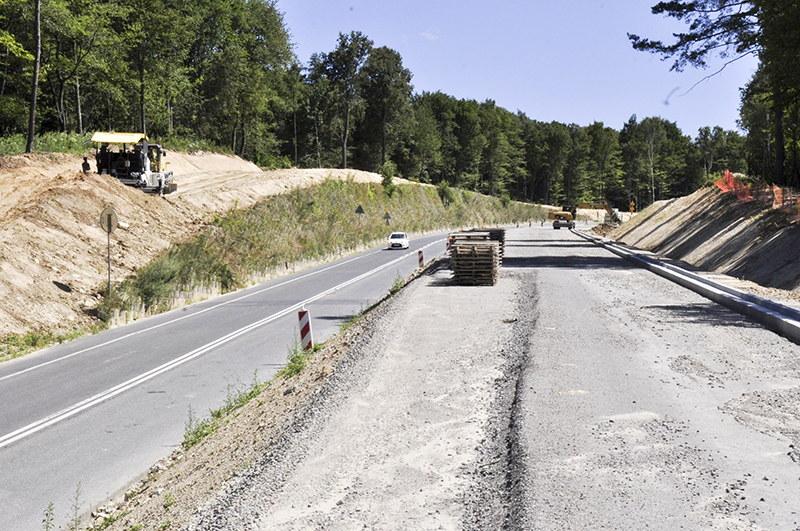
[108,113]
[652,185]
[61,106]
[170,118]
[294,123]
[316,142]
[234,134]
[780,147]
[244,139]
[383,140]
[141,97]
[5,73]
[794,176]
[78,112]
[344,138]
[36,65]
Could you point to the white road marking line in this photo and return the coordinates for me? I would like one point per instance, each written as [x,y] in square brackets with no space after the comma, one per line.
[237,299]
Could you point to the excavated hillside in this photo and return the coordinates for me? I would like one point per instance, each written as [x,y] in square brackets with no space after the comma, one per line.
[714,231]
[53,252]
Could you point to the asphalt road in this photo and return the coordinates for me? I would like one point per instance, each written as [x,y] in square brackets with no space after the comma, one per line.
[81,421]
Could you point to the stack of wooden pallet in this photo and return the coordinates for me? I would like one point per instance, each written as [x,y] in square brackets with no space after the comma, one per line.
[498,235]
[474,258]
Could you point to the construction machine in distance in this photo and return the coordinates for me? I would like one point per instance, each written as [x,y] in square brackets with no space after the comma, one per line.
[611,215]
[562,218]
[568,214]
[130,158]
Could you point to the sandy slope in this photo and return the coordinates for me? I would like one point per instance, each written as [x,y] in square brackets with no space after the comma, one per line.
[53,252]
[755,246]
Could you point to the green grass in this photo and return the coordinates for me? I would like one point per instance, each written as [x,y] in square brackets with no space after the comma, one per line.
[398,284]
[47,143]
[196,430]
[15,345]
[169,500]
[48,522]
[296,360]
[308,224]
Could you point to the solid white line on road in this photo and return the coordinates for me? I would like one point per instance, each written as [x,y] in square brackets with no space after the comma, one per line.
[50,420]
[210,308]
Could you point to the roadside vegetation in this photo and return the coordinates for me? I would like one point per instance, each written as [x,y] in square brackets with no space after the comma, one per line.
[312,224]
[196,430]
[16,345]
[305,225]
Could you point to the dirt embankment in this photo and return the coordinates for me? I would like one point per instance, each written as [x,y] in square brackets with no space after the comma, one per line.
[713,231]
[53,251]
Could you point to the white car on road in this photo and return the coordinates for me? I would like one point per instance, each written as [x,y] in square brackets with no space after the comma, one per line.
[398,240]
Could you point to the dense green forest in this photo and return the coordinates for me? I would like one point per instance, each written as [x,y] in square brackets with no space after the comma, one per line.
[225,73]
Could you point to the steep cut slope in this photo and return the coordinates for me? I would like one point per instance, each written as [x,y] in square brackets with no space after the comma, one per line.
[714,231]
[53,252]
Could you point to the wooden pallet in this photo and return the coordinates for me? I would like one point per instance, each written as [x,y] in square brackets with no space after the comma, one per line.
[474,259]
[495,234]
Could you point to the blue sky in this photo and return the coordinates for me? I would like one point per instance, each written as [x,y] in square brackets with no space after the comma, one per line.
[568,61]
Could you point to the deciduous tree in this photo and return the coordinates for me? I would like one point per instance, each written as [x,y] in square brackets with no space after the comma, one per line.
[343,68]
[37,56]
[387,90]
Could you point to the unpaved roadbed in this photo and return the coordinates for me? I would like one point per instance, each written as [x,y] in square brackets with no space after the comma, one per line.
[580,392]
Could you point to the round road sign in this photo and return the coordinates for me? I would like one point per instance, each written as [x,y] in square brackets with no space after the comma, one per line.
[109,220]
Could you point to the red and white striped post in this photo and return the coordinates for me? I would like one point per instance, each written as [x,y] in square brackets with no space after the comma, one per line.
[306,338]
[421,260]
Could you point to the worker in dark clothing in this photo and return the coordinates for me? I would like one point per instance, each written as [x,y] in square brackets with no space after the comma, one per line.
[102,159]
[85,165]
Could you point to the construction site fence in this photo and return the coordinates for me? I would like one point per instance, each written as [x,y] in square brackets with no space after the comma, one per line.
[781,197]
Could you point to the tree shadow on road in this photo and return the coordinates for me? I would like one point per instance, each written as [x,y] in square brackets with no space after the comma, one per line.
[706,313]
[568,262]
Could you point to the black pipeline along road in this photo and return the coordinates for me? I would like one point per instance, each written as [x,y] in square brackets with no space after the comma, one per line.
[81,421]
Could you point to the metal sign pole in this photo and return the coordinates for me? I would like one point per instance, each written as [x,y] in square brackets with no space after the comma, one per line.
[108,293]
[109,221]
